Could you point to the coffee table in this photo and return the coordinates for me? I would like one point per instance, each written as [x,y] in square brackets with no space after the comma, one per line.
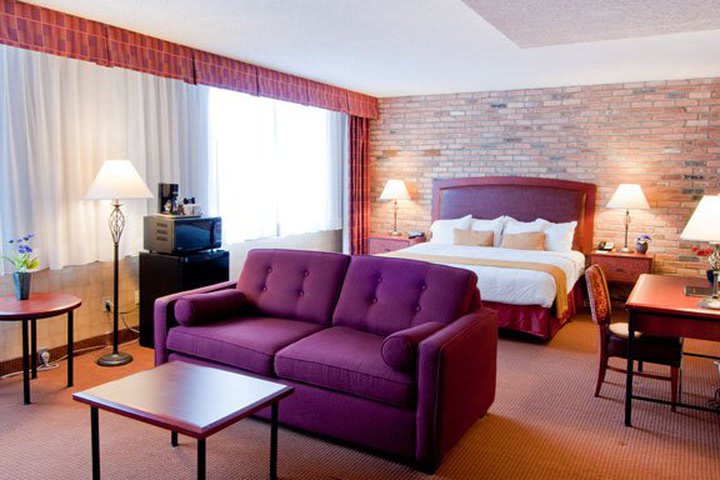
[193,400]
[38,306]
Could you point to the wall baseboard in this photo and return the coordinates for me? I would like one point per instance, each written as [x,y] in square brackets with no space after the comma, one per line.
[15,364]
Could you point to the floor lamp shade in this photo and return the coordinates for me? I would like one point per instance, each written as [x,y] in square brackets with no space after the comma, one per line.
[117,180]
[395,190]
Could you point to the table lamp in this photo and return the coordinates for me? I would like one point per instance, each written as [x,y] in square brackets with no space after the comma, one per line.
[704,226]
[117,180]
[627,196]
[395,190]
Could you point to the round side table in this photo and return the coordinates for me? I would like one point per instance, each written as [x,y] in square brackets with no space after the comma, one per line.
[39,306]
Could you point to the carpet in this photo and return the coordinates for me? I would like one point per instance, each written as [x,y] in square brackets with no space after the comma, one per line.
[545,423]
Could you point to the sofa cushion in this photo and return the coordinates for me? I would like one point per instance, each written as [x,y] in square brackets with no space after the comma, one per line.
[346,360]
[293,284]
[399,350]
[383,295]
[248,342]
[199,308]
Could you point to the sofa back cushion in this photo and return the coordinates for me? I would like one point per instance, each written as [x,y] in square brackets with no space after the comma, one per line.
[385,295]
[293,284]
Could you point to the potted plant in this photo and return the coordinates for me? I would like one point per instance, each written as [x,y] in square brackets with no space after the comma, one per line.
[642,243]
[23,260]
[706,252]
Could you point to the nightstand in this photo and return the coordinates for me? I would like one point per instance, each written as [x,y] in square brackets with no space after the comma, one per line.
[622,268]
[387,243]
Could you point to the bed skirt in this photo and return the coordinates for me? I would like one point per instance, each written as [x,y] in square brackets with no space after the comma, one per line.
[536,320]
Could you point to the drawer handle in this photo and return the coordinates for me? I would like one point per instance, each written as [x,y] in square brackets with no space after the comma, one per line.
[619,269]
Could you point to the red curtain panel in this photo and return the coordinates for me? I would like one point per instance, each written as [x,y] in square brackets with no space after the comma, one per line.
[359,184]
[223,72]
[41,29]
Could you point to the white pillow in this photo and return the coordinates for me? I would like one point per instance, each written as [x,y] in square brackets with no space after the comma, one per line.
[442,230]
[514,227]
[559,236]
[496,226]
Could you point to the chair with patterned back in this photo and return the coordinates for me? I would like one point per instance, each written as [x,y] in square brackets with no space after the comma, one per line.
[613,338]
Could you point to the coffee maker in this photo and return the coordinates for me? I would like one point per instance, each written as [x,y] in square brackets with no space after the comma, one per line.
[168,198]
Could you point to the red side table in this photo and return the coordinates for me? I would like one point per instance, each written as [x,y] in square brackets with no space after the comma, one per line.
[38,306]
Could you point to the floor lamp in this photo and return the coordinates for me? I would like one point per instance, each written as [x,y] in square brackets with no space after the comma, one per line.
[117,180]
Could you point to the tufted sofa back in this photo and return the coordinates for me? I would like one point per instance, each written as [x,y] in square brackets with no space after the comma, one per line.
[294,284]
[385,295]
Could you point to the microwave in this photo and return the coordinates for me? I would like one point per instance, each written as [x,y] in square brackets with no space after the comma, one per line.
[175,234]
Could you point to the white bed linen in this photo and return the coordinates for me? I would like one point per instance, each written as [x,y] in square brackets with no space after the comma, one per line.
[510,285]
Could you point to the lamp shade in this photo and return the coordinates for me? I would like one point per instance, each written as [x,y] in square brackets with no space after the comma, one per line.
[704,224]
[117,180]
[395,190]
[627,196]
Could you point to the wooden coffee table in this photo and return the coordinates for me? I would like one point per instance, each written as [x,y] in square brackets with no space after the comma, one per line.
[38,306]
[184,398]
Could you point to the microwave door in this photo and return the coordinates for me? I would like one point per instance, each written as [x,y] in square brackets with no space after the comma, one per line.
[191,236]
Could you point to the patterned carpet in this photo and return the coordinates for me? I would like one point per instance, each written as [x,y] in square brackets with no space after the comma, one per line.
[545,423]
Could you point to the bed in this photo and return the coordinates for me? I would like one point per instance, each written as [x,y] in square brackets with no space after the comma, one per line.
[527,301]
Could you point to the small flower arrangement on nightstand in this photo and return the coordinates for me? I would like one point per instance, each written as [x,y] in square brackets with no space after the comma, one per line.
[23,260]
[642,243]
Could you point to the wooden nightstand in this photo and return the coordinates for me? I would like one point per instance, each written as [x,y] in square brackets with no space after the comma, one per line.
[386,243]
[622,268]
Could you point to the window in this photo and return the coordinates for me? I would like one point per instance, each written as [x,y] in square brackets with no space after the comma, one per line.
[275,167]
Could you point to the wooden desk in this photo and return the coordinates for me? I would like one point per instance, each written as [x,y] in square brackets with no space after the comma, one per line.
[658,306]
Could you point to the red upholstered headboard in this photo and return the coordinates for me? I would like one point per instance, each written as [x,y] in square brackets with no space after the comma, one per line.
[523,198]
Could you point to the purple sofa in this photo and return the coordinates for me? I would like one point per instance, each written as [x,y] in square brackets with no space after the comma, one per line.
[393,355]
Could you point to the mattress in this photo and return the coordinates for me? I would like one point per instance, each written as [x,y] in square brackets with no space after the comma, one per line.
[509,285]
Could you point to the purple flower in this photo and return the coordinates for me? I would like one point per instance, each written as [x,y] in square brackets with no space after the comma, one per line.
[22,249]
[11,242]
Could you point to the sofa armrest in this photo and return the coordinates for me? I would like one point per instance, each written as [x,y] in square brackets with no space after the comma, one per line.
[456,383]
[164,316]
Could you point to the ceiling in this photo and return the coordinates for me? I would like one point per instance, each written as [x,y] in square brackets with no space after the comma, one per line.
[412,47]
[539,23]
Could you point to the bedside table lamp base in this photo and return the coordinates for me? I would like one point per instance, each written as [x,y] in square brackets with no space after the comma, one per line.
[395,232]
[626,248]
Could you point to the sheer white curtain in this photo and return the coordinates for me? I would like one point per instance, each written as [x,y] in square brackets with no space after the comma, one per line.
[276,167]
[60,119]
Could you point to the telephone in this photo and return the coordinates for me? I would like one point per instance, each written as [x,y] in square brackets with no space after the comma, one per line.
[412,234]
[606,246]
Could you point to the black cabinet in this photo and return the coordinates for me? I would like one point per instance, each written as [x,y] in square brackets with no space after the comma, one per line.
[162,275]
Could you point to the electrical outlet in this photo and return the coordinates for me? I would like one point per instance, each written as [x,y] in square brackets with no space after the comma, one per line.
[137,297]
[107,304]
[43,356]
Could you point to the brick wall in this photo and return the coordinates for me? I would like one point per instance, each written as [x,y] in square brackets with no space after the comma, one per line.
[664,135]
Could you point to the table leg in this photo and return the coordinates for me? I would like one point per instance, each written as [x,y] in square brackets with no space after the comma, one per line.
[70,348]
[174,439]
[95,440]
[274,441]
[201,459]
[26,363]
[33,347]
[629,372]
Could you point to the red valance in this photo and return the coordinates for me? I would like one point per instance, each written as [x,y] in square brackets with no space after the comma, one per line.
[327,96]
[282,86]
[36,28]
[223,72]
[362,105]
[150,55]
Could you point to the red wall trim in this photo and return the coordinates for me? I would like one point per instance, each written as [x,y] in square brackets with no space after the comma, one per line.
[37,28]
